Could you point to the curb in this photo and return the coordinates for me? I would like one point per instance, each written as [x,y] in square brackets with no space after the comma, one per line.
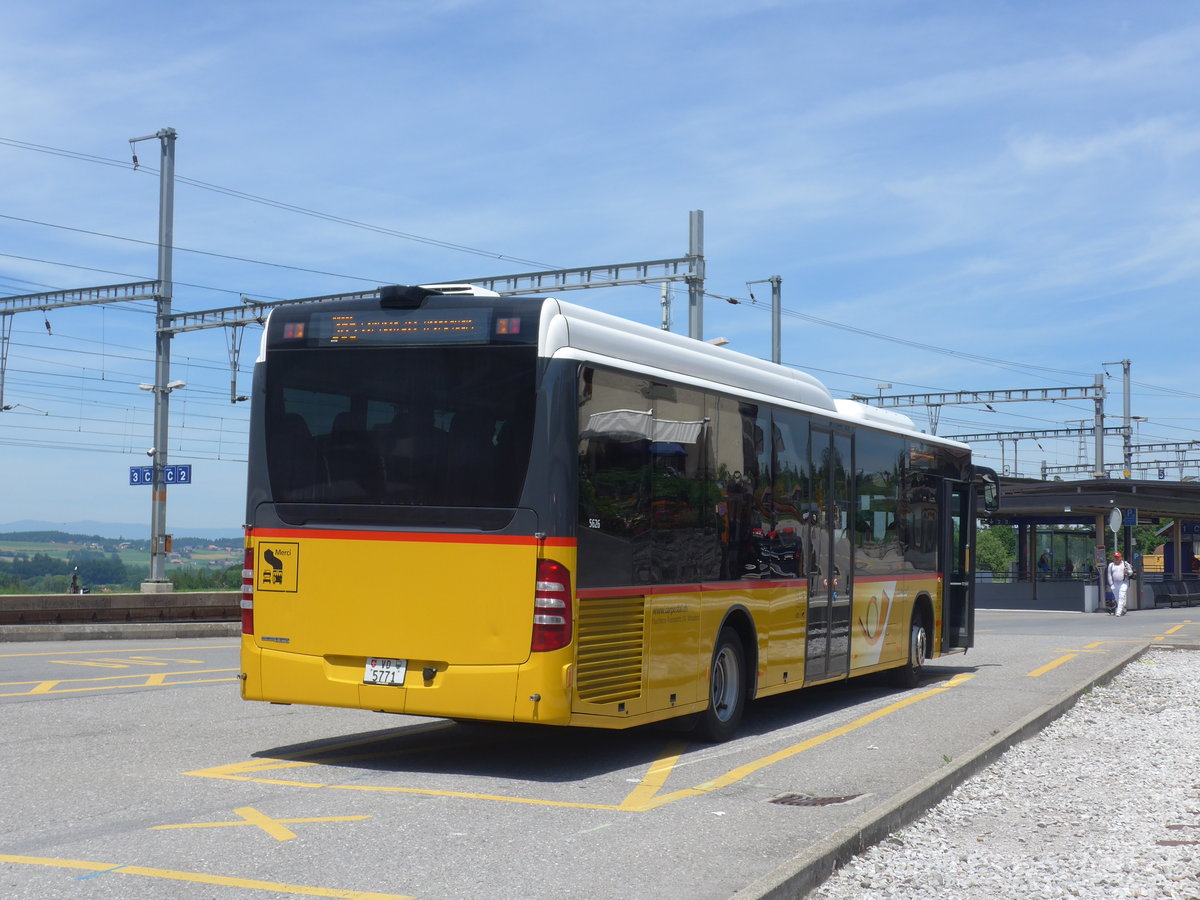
[155,631]
[808,871]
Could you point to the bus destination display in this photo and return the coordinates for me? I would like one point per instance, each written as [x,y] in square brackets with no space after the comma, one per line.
[446,326]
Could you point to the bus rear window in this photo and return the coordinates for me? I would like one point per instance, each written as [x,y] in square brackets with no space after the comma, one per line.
[433,426]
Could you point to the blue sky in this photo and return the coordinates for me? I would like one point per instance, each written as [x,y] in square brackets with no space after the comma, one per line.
[1011,181]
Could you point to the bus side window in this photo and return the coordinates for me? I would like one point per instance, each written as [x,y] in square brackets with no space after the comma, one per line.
[614,524]
[743,477]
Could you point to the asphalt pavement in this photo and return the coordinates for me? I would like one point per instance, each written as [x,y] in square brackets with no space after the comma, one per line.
[469,810]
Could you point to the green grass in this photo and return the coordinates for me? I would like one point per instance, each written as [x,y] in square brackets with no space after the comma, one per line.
[130,557]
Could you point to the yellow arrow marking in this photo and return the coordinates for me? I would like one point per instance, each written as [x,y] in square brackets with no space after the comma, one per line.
[642,798]
[158,679]
[84,662]
[165,660]
[134,660]
[274,827]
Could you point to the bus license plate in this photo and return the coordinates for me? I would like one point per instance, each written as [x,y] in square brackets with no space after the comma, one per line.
[385,671]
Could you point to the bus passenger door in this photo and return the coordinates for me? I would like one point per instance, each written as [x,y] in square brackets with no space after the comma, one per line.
[957,567]
[830,559]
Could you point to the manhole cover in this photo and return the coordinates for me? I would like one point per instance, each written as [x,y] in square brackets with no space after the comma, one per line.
[809,800]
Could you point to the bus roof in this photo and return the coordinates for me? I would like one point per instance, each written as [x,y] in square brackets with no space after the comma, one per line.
[576,332]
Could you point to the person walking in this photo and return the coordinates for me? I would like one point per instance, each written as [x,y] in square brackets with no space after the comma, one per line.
[1119,573]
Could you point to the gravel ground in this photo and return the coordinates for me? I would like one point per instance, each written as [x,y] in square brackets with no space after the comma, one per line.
[1104,803]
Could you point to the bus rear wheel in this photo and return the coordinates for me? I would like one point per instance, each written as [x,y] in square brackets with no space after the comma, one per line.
[909,676]
[726,689]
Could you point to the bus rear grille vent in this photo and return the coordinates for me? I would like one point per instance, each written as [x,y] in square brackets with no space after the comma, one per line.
[809,800]
[611,638]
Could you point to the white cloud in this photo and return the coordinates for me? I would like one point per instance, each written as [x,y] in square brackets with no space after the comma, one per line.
[1169,138]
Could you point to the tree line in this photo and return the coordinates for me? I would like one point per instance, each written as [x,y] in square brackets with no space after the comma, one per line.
[92,570]
[996,547]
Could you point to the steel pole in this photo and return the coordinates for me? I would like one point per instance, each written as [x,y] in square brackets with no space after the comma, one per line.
[776,312]
[162,362]
[695,280]
[1128,424]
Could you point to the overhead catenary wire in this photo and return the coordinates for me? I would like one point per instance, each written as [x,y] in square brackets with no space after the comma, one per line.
[278,204]
[925,347]
[176,248]
[295,208]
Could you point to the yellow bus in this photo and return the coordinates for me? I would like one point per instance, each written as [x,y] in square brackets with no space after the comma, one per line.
[517,509]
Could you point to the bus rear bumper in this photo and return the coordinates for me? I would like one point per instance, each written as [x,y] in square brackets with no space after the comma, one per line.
[536,691]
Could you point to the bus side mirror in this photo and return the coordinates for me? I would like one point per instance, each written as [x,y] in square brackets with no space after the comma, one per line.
[989,482]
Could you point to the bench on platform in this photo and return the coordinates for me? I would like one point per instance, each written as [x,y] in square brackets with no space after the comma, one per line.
[1175,592]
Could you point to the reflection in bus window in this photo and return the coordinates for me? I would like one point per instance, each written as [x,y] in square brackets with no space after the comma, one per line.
[877,457]
[615,427]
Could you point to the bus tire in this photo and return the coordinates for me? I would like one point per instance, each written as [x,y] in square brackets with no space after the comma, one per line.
[726,689]
[909,675]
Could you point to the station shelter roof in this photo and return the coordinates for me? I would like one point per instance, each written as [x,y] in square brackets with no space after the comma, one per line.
[1030,501]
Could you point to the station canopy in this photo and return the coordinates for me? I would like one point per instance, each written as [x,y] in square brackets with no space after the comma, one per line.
[1025,501]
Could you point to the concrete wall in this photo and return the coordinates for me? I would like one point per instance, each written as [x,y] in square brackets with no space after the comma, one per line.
[201,606]
[1059,595]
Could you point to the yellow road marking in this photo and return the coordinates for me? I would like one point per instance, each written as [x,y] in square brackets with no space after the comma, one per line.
[1094,647]
[141,661]
[84,662]
[747,769]
[252,884]
[156,679]
[655,778]
[464,795]
[274,827]
[129,650]
[164,660]
[642,798]
[1037,673]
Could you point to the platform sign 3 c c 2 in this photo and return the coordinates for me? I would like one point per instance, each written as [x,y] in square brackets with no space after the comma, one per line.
[278,567]
[171,474]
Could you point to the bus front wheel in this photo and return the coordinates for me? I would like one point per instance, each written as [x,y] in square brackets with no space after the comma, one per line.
[909,676]
[726,689]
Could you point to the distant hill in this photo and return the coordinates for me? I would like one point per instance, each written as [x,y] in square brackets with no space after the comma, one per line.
[112,530]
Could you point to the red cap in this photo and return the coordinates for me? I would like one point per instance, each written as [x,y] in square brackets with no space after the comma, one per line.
[1117,555]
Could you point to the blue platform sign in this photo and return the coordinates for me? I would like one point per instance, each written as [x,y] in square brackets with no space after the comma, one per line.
[171,474]
[177,474]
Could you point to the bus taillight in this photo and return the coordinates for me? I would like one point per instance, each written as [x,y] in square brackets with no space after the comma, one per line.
[248,588]
[551,606]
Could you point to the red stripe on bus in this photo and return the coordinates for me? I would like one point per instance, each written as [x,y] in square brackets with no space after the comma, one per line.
[650,590]
[323,534]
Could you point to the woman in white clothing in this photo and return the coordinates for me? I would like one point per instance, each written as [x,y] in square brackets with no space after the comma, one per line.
[1119,573]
